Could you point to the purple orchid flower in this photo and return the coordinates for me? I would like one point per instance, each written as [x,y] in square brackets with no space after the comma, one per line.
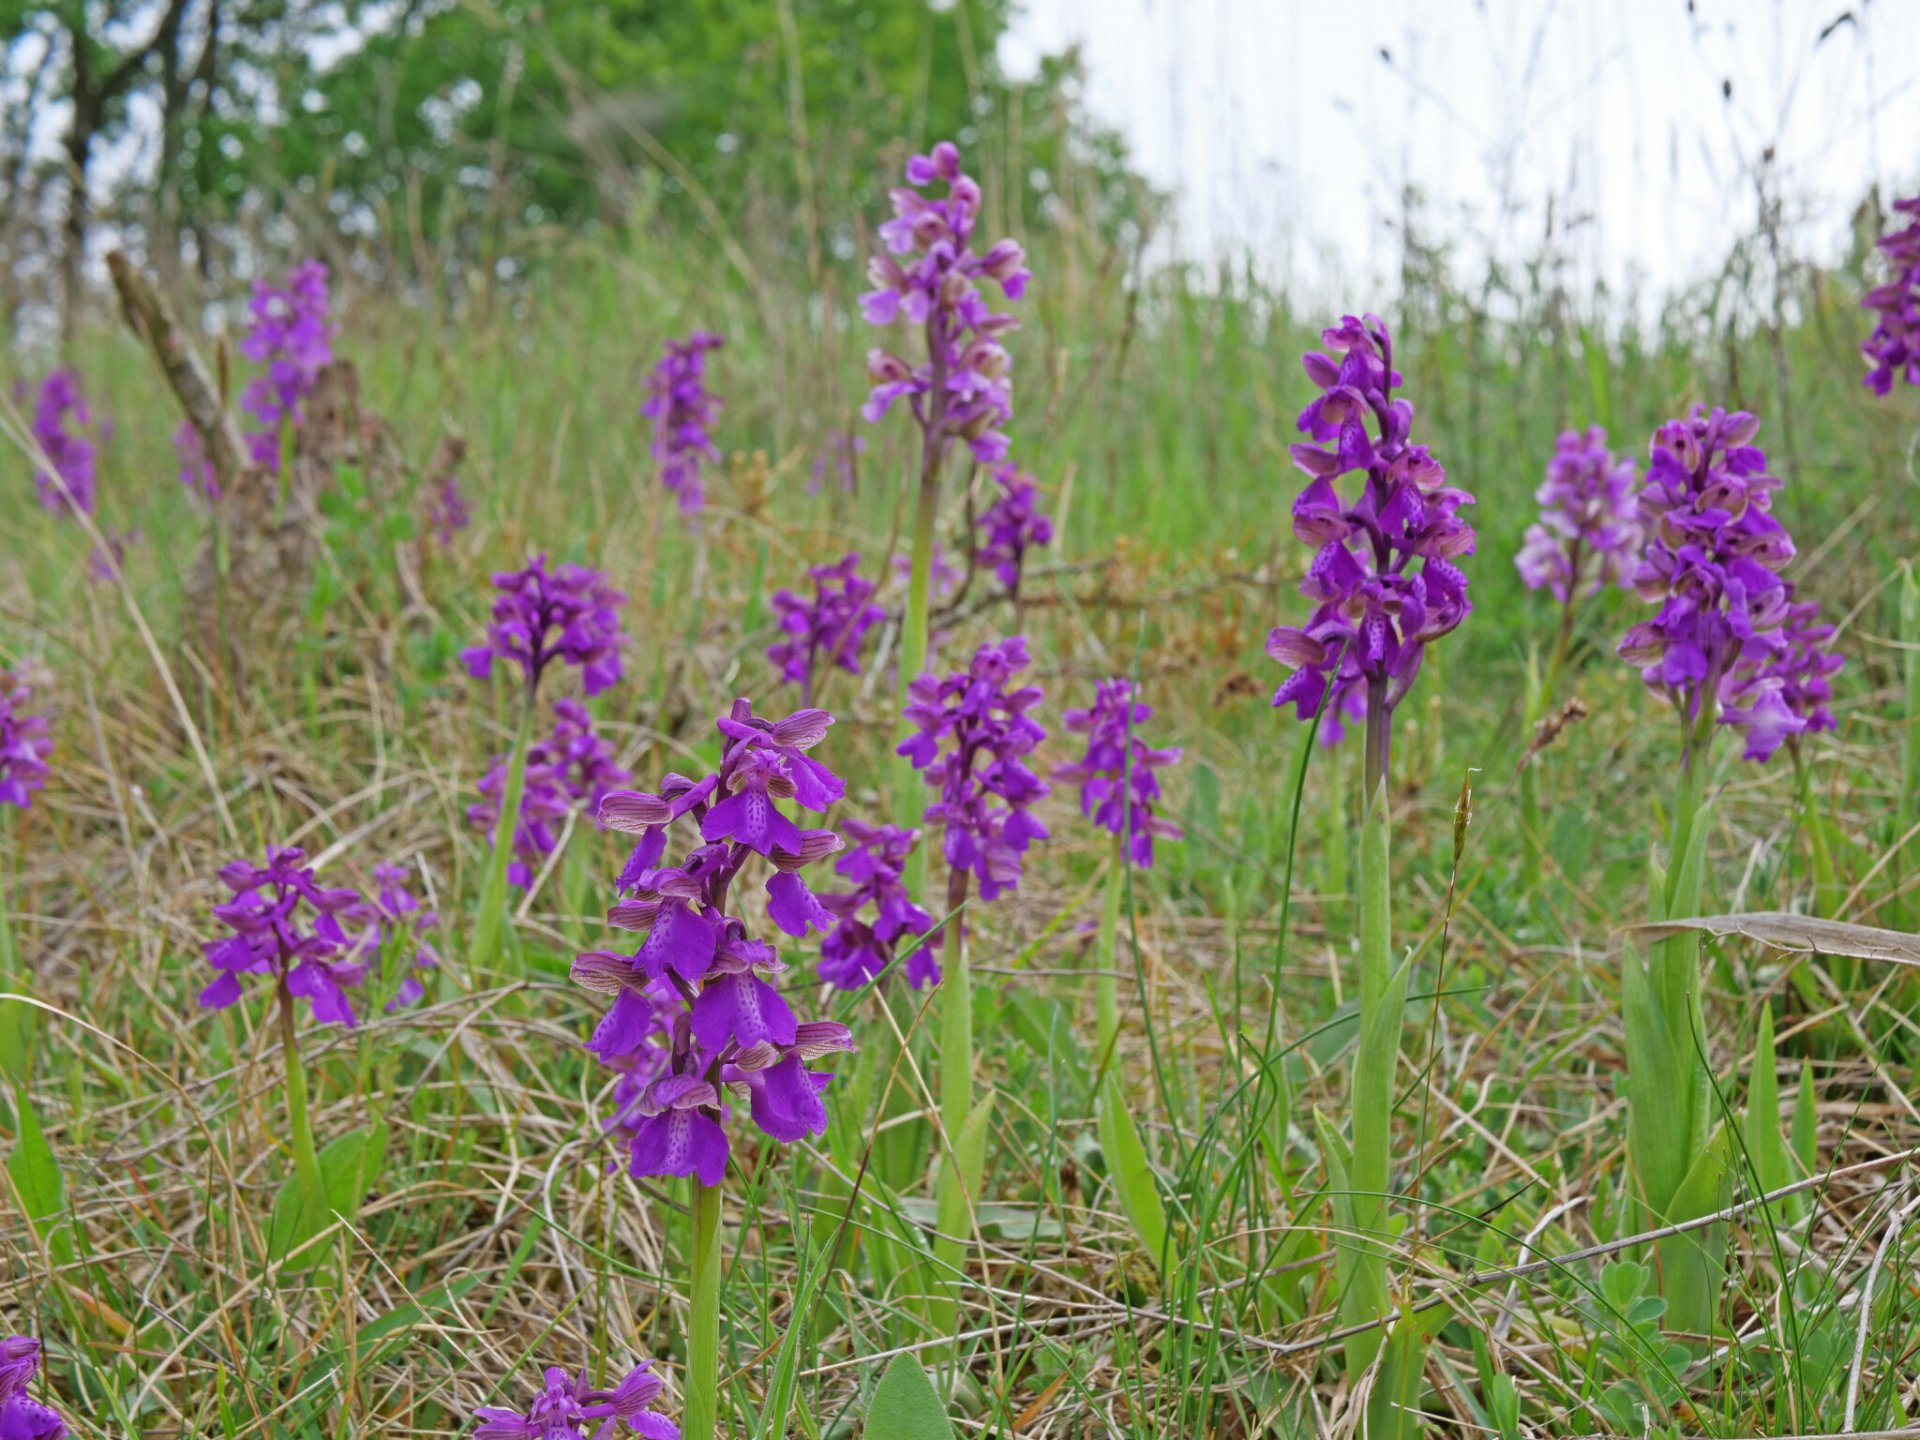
[1893,350]
[571,767]
[1119,786]
[858,951]
[1012,525]
[1588,533]
[539,616]
[287,926]
[24,744]
[826,629]
[683,412]
[21,1416]
[64,429]
[567,1408]
[291,336]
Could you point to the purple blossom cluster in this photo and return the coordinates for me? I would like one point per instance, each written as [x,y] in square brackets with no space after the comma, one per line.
[826,629]
[395,914]
[568,1408]
[572,766]
[1773,701]
[1712,562]
[1588,533]
[1893,350]
[291,336]
[1013,525]
[196,469]
[683,411]
[962,390]
[974,732]
[1119,786]
[698,975]
[448,511]
[21,1416]
[858,951]
[24,744]
[287,926]
[64,429]
[1375,613]
[542,615]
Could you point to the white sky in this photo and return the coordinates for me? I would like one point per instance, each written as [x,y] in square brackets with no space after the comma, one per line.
[1284,132]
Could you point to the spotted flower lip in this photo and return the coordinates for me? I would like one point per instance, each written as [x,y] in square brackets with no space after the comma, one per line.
[963,390]
[286,925]
[973,733]
[291,336]
[1588,535]
[1376,613]
[1712,561]
[568,1408]
[683,412]
[1892,351]
[568,614]
[1118,779]
[21,1416]
[696,1015]
[24,744]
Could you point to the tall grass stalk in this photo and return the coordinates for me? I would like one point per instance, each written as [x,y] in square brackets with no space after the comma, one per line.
[490,919]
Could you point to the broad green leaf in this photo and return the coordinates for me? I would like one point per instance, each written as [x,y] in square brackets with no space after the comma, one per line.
[1132,1172]
[906,1406]
[347,1165]
[35,1172]
[1393,1409]
[1806,1122]
[1766,1146]
[1693,1265]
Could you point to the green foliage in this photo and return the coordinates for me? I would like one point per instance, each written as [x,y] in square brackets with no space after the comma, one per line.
[905,1405]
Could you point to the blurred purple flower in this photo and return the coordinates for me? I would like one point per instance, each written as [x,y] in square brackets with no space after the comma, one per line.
[196,470]
[827,629]
[64,428]
[973,736]
[106,560]
[21,1416]
[567,1408]
[856,951]
[291,337]
[1376,615]
[683,412]
[962,389]
[448,512]
[395,913]
[569,767]
[1712,562]
[287,926]
[1893,350]
[24,744]
[568,614]
[1013,525]
[1118,784]
[1588,533]
[695,1014]
[839,456]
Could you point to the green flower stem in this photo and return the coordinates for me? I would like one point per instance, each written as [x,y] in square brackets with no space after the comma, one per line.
[700,1419]
[956,1015]
[306,1159]
[490,919]
[908,787]
[1106,1003]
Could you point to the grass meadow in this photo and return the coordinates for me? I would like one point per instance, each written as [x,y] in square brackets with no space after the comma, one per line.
[493,1231]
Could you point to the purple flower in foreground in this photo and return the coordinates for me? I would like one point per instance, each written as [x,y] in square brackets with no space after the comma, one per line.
[962,389]
[824,630]
[291,337]
[1801,675]
[286,926]
[1376,614]
[448,512]
[1712,561]
[974,734]
[540,616]
[1118,784]
[569,767]
[1013,526]
[395,914]
[21,1416]
[196,470]
[856,950]
[64,429]
[1893,350]
[567,1408]
[683,412]
[24,744]
[1589,530]
[695,1015]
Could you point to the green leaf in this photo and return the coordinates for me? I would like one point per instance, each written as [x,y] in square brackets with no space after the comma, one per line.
[347,1167]
[1806,1122]
[1393,1409]
[1132,1172]
[1693,1265]
[35,1172]
[1766,1146]
[906,1406]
